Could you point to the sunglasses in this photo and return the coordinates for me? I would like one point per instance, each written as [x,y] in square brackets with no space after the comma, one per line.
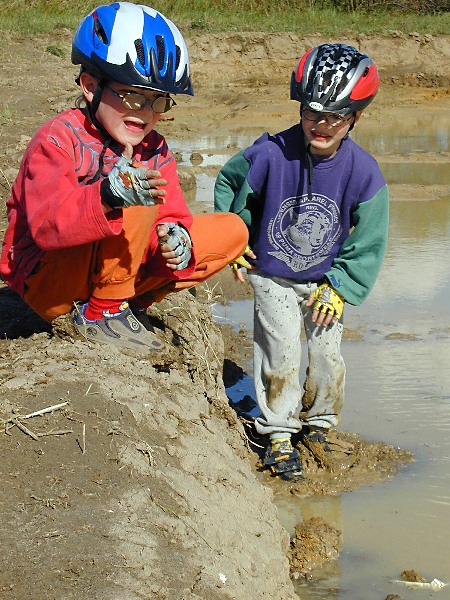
[136,101]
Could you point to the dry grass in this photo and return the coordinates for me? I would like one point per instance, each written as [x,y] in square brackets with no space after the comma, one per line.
[325,17]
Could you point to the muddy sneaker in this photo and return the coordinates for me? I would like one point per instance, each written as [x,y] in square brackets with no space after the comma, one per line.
[314,436]
[122,330]
[327,438]
[329,450]
[283,460]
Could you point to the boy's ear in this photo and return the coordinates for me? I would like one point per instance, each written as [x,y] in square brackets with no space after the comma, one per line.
[88,85]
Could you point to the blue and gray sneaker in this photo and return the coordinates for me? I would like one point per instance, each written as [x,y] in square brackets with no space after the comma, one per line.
[284,460]
[122,329]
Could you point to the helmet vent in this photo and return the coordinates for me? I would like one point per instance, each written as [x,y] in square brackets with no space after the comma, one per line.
[338,54]
[177,57]
[98,28]
[140,51]
[327,80]
[160,46]
[354,61]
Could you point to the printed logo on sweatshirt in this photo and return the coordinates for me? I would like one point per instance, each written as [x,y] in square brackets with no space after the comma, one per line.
[304,231]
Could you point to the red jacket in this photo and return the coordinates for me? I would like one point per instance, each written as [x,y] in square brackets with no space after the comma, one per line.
[53,205]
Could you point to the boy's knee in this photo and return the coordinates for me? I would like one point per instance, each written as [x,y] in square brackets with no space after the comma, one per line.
[237,228]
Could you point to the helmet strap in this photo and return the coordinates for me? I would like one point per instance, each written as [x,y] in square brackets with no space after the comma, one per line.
[351,126]
[92,108]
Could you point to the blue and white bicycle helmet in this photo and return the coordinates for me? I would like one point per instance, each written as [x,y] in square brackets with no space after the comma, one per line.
[335,78]
[134,45]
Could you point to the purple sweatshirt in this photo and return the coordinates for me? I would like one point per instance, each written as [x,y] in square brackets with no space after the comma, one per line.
[322,221]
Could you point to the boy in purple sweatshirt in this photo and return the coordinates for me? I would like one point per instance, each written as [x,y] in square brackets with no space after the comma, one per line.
[317,209]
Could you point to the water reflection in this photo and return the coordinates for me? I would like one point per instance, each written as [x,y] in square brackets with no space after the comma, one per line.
[428,134]
[215,149]
[404,173]
[400,395]
[412,291]
[398,391]
[419,134]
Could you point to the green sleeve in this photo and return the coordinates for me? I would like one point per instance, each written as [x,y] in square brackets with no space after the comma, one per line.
[356,268]
[232,191]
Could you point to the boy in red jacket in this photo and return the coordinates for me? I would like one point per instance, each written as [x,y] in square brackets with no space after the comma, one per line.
[96,215]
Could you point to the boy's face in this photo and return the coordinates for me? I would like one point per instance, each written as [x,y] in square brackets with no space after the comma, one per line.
[325,139]
[122,123]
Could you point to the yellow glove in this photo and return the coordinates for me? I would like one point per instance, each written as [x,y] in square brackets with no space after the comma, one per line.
[240,262]
[328,300]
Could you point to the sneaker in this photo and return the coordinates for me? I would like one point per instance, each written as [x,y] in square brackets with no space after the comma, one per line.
[284,460]
[329,450]
[122,330]
[327,439]
[313,436]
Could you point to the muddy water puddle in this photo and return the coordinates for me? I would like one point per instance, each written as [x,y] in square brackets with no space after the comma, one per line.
[398,379]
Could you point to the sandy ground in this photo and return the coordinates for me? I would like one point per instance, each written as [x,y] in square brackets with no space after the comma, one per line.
[143,482]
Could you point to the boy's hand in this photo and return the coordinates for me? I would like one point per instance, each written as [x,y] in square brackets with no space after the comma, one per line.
[241,262]
[134,184]
[327,305]
[175,244]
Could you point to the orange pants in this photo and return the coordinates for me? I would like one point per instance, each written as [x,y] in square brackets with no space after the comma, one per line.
[112,268]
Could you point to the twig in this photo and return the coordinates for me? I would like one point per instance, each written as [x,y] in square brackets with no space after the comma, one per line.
[80,314]
[249,424]
[6,179]
[252,442]
[16,420]
[146,450]
[36,413]
[22,427]
[61,432]
[44,410]
[82,444]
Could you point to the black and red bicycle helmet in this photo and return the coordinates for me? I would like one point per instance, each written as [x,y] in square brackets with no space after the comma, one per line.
[335,78]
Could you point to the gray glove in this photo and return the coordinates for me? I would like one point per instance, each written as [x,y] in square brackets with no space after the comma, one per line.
[180,242]
[130,184]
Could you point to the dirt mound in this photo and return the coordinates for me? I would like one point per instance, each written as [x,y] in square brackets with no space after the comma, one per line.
[135,481]
[314,542]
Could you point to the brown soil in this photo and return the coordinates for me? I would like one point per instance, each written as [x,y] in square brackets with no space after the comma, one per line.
[143,482]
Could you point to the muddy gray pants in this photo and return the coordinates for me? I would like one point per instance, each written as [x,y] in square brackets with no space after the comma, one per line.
[279,311]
